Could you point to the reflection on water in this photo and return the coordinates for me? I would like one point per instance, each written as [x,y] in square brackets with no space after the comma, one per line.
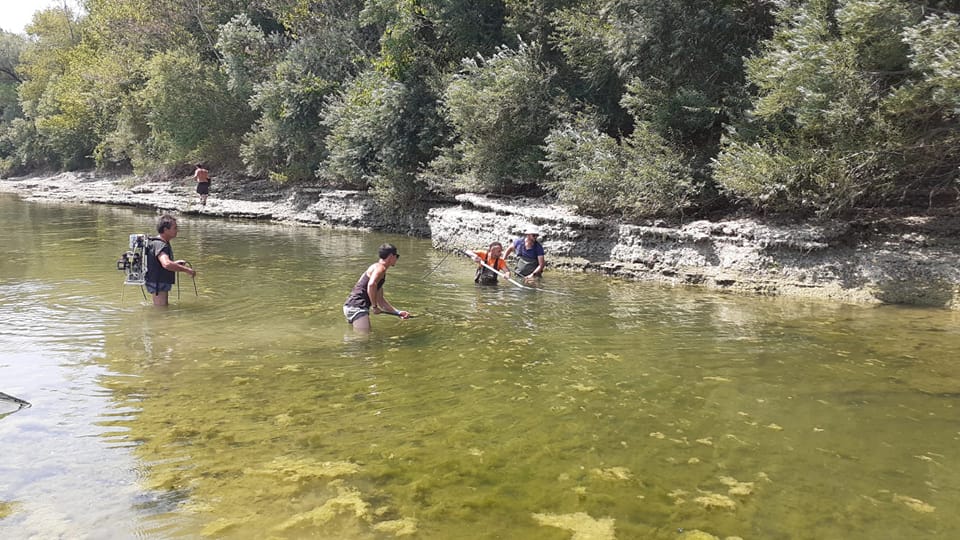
[620,410]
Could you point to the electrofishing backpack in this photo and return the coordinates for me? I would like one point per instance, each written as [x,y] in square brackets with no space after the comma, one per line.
[133,263]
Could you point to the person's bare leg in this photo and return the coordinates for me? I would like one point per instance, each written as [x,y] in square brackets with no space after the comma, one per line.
[160,299]
[362,324]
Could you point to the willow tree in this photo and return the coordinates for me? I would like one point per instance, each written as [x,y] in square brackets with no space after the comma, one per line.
[294,73]
[501,108]
[398,98]
[857,104]
[54,93]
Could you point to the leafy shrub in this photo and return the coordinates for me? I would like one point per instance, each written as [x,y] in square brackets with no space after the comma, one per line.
[848,111]
[191,113]
[501,109]
[375,140]
[287,140]
[637,177]
[24,148]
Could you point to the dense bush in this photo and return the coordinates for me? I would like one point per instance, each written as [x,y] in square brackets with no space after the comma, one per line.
[621,107]
[847,113]
[501,109]
[636,177]
[373,141]
[191,113]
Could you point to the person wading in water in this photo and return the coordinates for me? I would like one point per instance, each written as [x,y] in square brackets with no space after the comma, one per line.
[530,254]
[492,258]
[161,268]
[367,294]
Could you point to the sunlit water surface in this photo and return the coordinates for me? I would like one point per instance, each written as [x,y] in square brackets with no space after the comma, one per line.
[613,410]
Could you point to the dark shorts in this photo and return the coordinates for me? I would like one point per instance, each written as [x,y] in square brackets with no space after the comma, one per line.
[203,188]
[154,288]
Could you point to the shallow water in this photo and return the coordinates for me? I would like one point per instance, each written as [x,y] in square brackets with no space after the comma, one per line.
[613,410]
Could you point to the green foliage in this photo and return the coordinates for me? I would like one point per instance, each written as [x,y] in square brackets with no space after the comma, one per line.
[376,138]
[23,149]
[129,142]
[783,177]
[191,113]
[534,19]
[423,38]
[501,109]
[839,103]
[247,55]
[922,117]
[640,176]
[47,56]
[149,26]
[60,90]
[846,112]
[686,53]
[11,46]
[287,141]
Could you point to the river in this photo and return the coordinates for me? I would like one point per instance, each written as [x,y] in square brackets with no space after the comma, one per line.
[596,408]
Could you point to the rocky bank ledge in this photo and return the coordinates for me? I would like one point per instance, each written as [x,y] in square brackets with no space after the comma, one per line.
[888,259]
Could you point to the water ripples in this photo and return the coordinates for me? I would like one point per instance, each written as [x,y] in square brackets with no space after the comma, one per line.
[39,318]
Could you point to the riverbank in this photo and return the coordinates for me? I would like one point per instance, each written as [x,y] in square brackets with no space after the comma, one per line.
[884,259]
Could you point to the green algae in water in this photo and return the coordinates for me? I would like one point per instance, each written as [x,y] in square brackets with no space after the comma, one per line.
[580,524]
[7,508]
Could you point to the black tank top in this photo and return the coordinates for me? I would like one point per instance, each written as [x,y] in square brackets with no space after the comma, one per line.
[156,273]
[358,296]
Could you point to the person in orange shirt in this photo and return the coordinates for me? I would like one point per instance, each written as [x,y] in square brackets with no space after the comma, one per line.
[202,176]
[493,260]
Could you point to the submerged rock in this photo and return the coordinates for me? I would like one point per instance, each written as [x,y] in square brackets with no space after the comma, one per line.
[581,524]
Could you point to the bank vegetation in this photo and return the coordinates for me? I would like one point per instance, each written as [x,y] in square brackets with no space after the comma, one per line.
[621,108]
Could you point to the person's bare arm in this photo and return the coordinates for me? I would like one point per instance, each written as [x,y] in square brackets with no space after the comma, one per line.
[541,264]
[175,266]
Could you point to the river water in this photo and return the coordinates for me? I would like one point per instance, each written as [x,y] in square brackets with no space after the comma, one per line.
[249,408]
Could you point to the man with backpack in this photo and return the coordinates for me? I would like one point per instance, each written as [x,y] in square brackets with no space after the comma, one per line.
[161,267]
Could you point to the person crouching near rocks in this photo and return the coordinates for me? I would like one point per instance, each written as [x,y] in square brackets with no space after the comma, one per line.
[367,294]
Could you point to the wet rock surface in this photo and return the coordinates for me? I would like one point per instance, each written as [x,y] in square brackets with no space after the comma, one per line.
[879,258]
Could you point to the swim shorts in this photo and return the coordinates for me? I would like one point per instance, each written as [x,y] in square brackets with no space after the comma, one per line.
[353,313]
[154,288]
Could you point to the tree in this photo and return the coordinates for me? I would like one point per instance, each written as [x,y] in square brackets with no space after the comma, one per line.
[54,95]
[501,109]
[642,175]
[326,47]
[683,57]
[380,134]
[846,112]
[191,113]
[11,46]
